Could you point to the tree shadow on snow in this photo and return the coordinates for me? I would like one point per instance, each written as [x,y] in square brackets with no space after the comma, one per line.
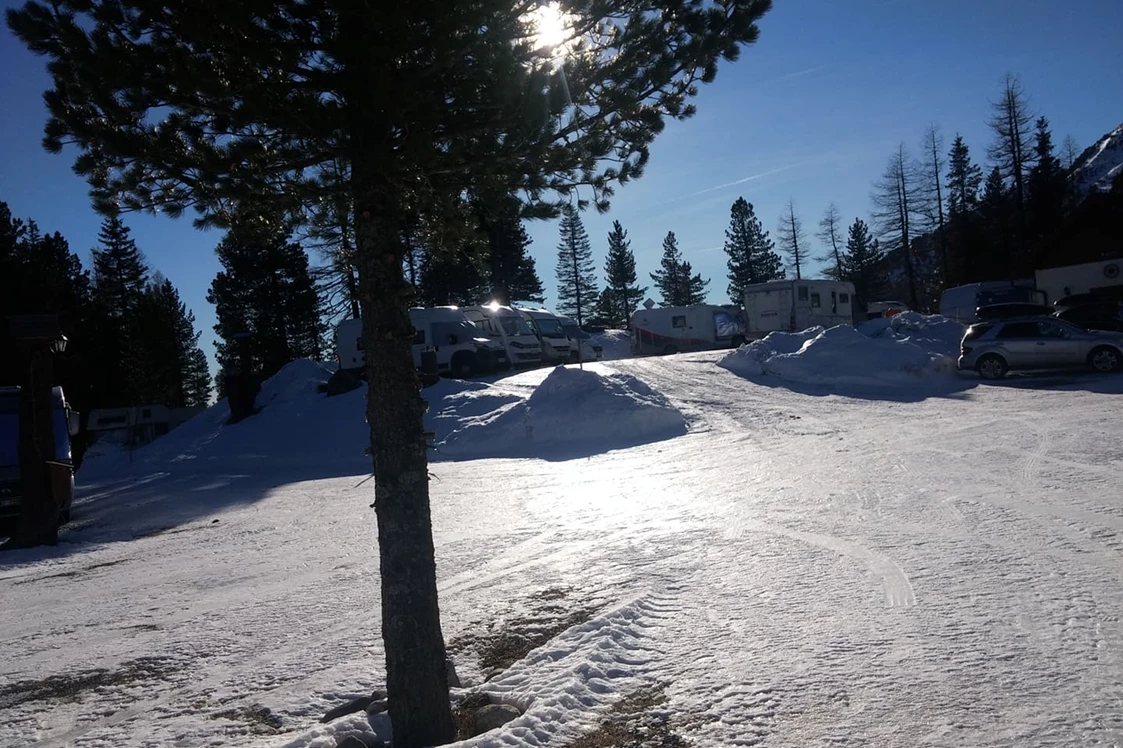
[1076,380]
[145,504]
[950,388]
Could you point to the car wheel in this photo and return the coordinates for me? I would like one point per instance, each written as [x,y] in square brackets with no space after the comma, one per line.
[991,366]
[1104,359]
[463,366]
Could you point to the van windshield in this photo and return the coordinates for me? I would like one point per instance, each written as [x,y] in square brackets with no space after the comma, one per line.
[551,328]
[513,324]
[573,332]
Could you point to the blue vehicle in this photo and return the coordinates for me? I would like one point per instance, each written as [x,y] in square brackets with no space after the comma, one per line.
[62,467]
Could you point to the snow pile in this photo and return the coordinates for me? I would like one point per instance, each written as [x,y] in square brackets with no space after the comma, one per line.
[916,350]
[295,425]
[1099,165]
[931,332]
[572,411]
[616,344]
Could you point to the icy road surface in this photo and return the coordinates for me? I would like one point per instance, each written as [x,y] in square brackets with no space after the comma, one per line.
[802,569]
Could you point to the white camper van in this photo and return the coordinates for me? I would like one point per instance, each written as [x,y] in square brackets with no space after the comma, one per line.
[504,325]
[462,351]
[1104,277]
[583,348]
[793,305]
[547,327]
[674,329]
[959,303]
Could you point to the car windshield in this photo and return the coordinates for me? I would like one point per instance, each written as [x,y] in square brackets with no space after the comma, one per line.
[514,324]
[550,328]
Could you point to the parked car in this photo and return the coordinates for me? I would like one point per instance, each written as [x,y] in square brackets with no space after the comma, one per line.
[994,348]
[1099,316]
[1011,309]
[61,468]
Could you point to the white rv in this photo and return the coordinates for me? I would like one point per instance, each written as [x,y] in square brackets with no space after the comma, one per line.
[793,305]
[675,329]
[1096,278]
[547,327]
[462,351]
[504,325]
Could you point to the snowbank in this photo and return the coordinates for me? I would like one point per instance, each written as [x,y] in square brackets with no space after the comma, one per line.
[616,344]
[930,332]
[297,426]
[571,411]
[905,349]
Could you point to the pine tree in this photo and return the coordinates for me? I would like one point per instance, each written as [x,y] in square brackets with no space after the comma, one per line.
[169,373]
[289,87]
[264,289]
[577,276]
[828,234]
[119,281]
[863,263]
[792,241]
[751,256]
[512,273]
[453,276]
[677,283]
[894,208]
[963,179]
[1047,185]
[1012,153]
[996,221]
[621,295]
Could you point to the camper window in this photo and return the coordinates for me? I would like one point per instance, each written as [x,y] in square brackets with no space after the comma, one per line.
[815,301]
[678,320]
[844,298]
[803,293]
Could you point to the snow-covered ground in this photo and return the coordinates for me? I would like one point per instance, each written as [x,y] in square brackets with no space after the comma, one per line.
[807,565]
[617,344]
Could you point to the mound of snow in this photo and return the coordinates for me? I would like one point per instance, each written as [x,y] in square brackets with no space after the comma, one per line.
[616,344]
[930,332]
[572,411]
[1100,164]
[845,356]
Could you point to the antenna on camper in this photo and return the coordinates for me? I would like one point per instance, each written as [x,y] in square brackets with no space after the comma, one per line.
[649,304]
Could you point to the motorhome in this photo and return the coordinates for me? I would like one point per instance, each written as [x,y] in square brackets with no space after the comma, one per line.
[584,348]
[547,327]
[61,468]
[674,329]
[960,302]
[1103,278]
[462,349]
[504,325]
[793,305]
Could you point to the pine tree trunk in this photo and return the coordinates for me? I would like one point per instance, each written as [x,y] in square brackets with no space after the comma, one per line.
[416,677]
[416,670]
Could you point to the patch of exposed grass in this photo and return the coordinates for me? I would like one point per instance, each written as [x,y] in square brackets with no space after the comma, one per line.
[464,714]
[631,724]
[260,719]
[71,685]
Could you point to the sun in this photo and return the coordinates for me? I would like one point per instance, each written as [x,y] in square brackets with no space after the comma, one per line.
[550,26]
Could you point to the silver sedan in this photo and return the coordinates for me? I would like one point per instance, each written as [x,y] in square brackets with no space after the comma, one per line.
[994,348]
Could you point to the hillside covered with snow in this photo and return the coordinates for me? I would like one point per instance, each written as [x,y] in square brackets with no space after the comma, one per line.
[1100,164]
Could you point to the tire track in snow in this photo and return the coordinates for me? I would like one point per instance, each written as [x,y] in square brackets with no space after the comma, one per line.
[894,582]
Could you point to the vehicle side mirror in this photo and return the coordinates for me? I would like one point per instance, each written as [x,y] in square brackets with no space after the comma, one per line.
[453,339]
[73,422]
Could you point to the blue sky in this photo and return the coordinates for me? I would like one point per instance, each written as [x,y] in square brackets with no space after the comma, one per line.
[811,112]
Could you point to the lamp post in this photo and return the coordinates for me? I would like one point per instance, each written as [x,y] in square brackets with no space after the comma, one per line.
[39,337]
